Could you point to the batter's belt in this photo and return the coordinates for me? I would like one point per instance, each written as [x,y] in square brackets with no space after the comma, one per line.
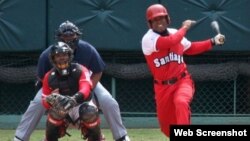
[172,80]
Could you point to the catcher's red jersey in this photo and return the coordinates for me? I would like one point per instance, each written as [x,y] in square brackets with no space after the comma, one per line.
[78,81]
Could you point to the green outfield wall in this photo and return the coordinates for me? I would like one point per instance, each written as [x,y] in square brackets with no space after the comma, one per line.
[117,25]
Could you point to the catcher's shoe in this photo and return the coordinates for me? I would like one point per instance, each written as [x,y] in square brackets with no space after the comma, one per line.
[102,138]
[86,136]
[124,138]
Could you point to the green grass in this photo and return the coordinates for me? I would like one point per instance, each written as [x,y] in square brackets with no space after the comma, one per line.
[134,134]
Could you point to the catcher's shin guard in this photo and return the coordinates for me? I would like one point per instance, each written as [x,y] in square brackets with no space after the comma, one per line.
[55,129]
[90,123]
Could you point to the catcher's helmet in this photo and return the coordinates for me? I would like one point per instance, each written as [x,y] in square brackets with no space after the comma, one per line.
[63,64]
[156,10]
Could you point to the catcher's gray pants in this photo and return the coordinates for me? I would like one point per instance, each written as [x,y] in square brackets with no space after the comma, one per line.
[106,102]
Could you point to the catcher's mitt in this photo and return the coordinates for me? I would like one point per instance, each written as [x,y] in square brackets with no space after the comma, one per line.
[59,104]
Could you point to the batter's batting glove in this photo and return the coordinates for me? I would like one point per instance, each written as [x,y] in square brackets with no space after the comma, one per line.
[219,39]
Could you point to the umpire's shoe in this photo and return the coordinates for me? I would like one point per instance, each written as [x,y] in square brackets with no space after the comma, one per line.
[124,138]
[17,139]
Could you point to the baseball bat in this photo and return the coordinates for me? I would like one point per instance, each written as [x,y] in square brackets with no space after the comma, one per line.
[193,22]
[215,26]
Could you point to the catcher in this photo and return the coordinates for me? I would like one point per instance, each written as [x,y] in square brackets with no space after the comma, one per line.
[67,96]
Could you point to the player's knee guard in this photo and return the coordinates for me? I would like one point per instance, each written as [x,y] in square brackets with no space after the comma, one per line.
[90,122]
[55,128]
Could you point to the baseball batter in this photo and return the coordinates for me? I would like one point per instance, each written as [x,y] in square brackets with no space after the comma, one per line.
[163,49]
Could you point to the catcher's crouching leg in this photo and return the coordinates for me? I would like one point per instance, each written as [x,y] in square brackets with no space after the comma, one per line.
[55,128]
[90,123]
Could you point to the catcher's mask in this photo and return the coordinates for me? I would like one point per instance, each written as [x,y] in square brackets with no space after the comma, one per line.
[68,33]
[61,56]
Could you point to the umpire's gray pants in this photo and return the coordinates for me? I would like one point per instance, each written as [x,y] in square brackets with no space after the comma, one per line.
[106,102]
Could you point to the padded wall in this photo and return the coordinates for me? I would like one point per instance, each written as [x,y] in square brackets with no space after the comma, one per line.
[232,16]
[22,25]
[117,25]
[107,24]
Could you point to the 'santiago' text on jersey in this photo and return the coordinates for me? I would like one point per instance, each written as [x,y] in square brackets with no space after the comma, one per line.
[172,57]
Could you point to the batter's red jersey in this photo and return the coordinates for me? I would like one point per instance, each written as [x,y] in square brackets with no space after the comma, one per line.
[164,54]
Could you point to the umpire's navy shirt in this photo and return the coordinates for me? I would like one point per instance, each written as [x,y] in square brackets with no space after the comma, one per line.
[84,54]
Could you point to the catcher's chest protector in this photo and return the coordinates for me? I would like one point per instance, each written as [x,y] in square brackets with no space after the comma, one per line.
[68,85]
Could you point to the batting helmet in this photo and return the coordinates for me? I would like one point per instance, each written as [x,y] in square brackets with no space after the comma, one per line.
[156,10]
[61,48]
